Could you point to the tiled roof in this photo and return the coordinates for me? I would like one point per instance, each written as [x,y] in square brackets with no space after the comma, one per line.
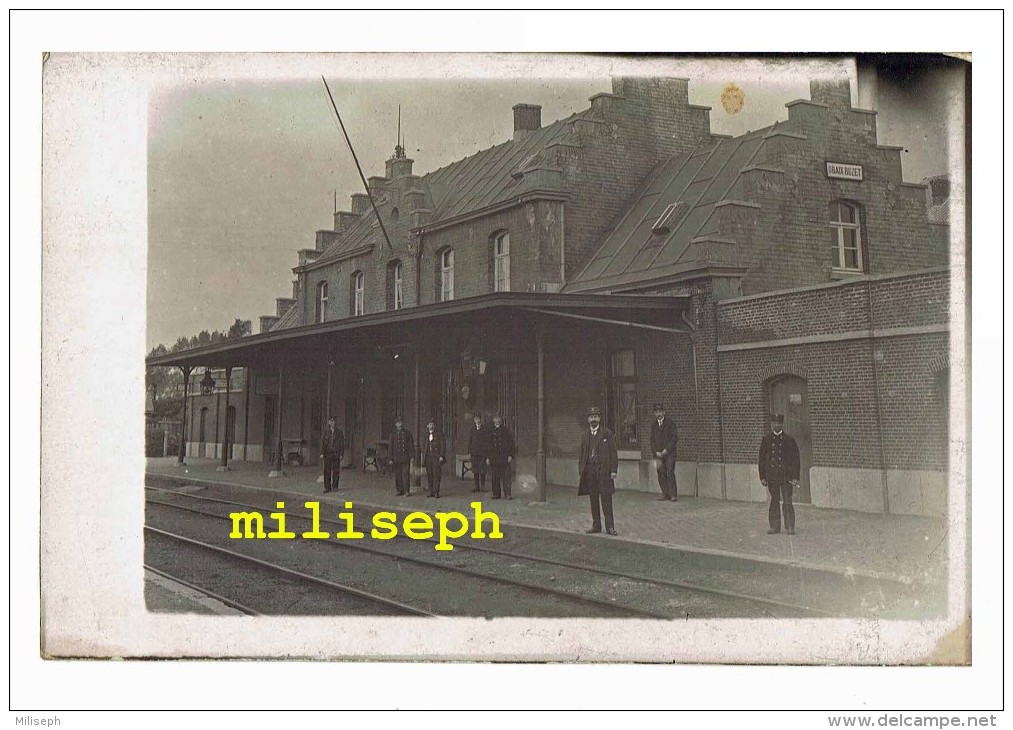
[697,181]
[478,181]
[486,178]
[289,319]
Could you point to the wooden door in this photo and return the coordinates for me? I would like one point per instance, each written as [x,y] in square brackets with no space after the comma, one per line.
[789,395]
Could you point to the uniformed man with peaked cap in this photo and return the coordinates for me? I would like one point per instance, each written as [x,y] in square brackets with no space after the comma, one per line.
[599,466]
[779,470]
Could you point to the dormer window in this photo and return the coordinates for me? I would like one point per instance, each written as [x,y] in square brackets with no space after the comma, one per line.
[667,218]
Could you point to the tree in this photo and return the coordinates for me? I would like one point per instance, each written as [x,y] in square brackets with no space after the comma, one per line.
[239,328]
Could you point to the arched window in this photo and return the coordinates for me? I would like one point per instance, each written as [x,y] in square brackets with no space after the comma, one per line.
[501,262]
[358,291]
[395,285]
[445,275]
[321,311]
[846,237]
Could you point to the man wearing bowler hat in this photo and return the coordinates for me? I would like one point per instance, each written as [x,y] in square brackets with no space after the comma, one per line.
[663,440]
[332,449]
[599,465]
[434,454]
[779,468]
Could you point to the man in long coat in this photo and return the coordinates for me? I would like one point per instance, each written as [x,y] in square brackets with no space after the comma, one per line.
[476,450]
[332,449]
[779,471]
[664,438]
[434,455]
[402,451]
[500,451]
[599,465]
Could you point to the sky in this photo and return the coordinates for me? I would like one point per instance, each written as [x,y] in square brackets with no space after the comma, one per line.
[243,171]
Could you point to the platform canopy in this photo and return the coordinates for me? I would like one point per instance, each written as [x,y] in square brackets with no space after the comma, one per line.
[412,324]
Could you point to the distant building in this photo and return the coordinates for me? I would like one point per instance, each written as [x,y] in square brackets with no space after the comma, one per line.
[618,257]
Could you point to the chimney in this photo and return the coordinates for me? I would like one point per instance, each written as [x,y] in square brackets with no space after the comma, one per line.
[283,304]
[267,322]
[527,118]
[398,167]
[835,93]
[360,203]
[344,219]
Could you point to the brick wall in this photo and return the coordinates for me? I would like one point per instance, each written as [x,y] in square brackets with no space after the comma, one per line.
[847,412]
[576,363]
[791,243]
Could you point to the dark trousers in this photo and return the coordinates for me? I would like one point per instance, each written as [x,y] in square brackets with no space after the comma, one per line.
[779,492]
[434,472]
[478,468]
[500,474]
[332,472]
[402,477]
[606,507]
[666,476]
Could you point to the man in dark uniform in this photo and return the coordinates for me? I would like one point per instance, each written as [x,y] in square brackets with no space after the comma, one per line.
[434,454]
[332,449]
[779,468]
[476,450]
[500,451]
[598,465]
[402,450]
[663,440]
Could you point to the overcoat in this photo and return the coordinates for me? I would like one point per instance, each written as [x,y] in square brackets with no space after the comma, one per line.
[499,444]
[333,443]
[601,448]
[402,446]
[779,459]
[476,441]
[433,451]
[664,437]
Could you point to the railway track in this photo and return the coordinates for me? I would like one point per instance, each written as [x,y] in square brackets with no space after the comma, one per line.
[262,581]
[621,592]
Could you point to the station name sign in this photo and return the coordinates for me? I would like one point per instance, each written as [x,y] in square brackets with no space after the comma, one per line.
[843,171]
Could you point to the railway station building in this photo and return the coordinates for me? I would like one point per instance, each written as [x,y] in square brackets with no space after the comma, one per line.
[620,257]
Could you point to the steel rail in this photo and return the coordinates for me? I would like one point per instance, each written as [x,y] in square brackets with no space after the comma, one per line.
[293,573]
[211,594]
[566,564]
[614,607]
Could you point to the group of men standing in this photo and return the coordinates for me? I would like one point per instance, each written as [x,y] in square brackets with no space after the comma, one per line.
[492,450]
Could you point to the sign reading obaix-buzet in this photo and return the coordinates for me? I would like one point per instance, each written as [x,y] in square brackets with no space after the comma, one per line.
[843,171]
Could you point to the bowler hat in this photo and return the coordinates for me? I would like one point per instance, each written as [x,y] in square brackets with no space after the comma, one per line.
[777,418]
[594,411]
[432,421]
[398,419]
[659,406]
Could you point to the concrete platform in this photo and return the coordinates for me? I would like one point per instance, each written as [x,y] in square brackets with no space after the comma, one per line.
[899,547]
